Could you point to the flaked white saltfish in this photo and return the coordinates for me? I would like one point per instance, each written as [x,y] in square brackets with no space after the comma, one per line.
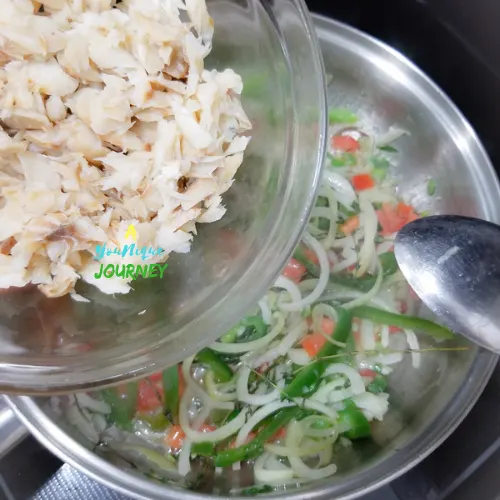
[108,118]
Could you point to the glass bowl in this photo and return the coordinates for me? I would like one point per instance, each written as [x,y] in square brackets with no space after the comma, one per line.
[59,345]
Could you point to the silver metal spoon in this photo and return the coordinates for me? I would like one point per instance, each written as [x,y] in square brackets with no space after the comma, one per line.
[453,264]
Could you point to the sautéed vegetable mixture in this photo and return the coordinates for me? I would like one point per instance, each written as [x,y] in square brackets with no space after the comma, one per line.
[267,405]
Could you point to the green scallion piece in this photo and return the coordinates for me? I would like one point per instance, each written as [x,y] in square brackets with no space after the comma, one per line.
[341,115]
[431,187]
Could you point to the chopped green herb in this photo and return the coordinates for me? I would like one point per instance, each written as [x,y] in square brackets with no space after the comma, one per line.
[306,312]
[342,160]
[377,385]
[379,162]
[388,149]
[203,449]
[256,490]
[231,336]
[431,187]
[170,378]
[322,423]
[158,422]
[379,174]
[322,201]
[341,115]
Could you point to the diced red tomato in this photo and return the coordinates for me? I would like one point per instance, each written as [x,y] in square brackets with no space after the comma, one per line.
[280,434]
[362,182]
[327,324]
[175,437]
[311,255]
[394,329]
[350,225]
[392,218]
[149,397]
[345,143]
[294,270]
[312,343]
[403,306]
[156,377]
[366,372]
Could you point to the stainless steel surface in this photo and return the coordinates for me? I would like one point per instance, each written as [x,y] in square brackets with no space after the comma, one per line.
[11,429]
[453,264]
[63,345]
[429,403]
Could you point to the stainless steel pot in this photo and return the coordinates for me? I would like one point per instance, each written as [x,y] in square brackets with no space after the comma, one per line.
[427,404]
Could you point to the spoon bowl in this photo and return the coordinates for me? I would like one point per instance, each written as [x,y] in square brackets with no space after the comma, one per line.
[453,264]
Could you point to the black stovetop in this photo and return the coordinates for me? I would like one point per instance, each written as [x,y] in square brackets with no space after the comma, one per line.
[456,42]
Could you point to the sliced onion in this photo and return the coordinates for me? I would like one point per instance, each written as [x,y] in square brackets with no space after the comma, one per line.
[384,335]
[320,311]
[259,415]
[391,135]
[252,399]
[346,194]
[367,336]
[376,195]
[308,285]
[372,405]
[269,475]
[384,247]
[199,391]
[333,392]
[201,417]
[241,347]
[288,285]
[84,426]
[214,391]
[217,435]
[300,469]
[265,311]
[307,448]
[333,218]
[413,344]
[355,379]
[184,464]
[92,404]
[346,263]
[292,337]
[368,296]
[311,404]
[369,223]
[299,357]
[323,278]
[325,456]
[283,347]
[346,242]
[392,358]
